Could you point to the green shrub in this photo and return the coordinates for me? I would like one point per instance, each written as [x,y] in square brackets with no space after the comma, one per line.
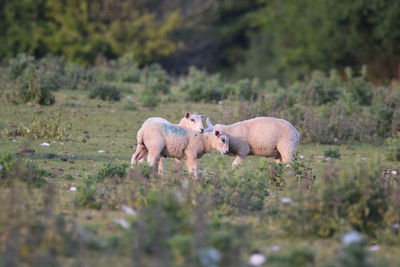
[150,101]
[129,105]
[393,148]
[124,69]
[155,80]
[353,198]
[53,126]
[298,256]
[105,91]
[359,88]
[12,169]
[321,90]
[332,153]
[200,86]
[86,196]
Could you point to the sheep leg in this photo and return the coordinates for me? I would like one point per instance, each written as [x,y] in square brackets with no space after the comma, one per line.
[139,155]
[154,157]
[178,164]
[191,165]
[286,152]
[161,167]
[238,160]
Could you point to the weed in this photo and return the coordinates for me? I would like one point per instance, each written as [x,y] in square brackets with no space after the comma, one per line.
[105,91]
[393,148]
[332,153]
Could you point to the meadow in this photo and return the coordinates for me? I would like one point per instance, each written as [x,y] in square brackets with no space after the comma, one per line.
[69,197]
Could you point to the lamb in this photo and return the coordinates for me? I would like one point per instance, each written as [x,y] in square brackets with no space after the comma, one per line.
[159,138]
[261,136]
[190,121]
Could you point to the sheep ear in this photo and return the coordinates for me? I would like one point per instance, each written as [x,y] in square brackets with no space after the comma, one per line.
[208,121]
[217,133]
[187,115]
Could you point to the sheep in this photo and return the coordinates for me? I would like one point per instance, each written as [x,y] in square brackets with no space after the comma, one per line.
[159,138]
[261,136]
[190,121]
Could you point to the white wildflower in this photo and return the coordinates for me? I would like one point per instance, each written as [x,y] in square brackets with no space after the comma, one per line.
[328,158]
[72,188]
[128,210]
[394,172]
[396,226]
[286,200]
[101,151]
[275,248]
[364,158]
[257,259]
[121,221]
[373,248]
[14,140]
[351,237]
[45,144]
[301,156]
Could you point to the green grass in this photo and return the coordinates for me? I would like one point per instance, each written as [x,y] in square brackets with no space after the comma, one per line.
[98,125]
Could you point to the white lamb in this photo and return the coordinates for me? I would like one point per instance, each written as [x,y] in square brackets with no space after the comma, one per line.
[261,136]
[159,138]
[190,121]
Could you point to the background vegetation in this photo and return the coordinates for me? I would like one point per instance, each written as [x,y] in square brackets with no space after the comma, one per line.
[283,40]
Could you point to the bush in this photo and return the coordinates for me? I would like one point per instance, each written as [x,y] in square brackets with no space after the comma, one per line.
[150,101]
[155,80]
[124,69]
[53,126]
[353,198]
[105,91]
[393,148]
[202,87]
[12,169]
[332,153]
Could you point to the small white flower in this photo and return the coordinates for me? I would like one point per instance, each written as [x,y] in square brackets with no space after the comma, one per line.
[301,156]
[396,226]
[257,259]
[351,237]
[61,143]
[14,140]
[327,158]
[121,221]
[373,248]
[45,144]
[394,172]
[286,200]
[101,151]
[72,188]
[128,210]
[275,248]
[209,257]
[53,142]
[364,158]
[335,140]
[220,102]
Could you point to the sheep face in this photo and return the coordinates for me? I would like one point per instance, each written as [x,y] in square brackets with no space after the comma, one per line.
[193,121]
[220,142]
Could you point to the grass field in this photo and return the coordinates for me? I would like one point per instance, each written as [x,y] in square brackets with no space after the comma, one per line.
[234,212]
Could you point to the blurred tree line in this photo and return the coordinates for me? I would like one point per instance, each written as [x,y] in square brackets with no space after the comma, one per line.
[267,39]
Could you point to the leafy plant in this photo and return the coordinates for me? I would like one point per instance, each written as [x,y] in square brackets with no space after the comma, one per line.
[393,148]
[105,91]
[332,153]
